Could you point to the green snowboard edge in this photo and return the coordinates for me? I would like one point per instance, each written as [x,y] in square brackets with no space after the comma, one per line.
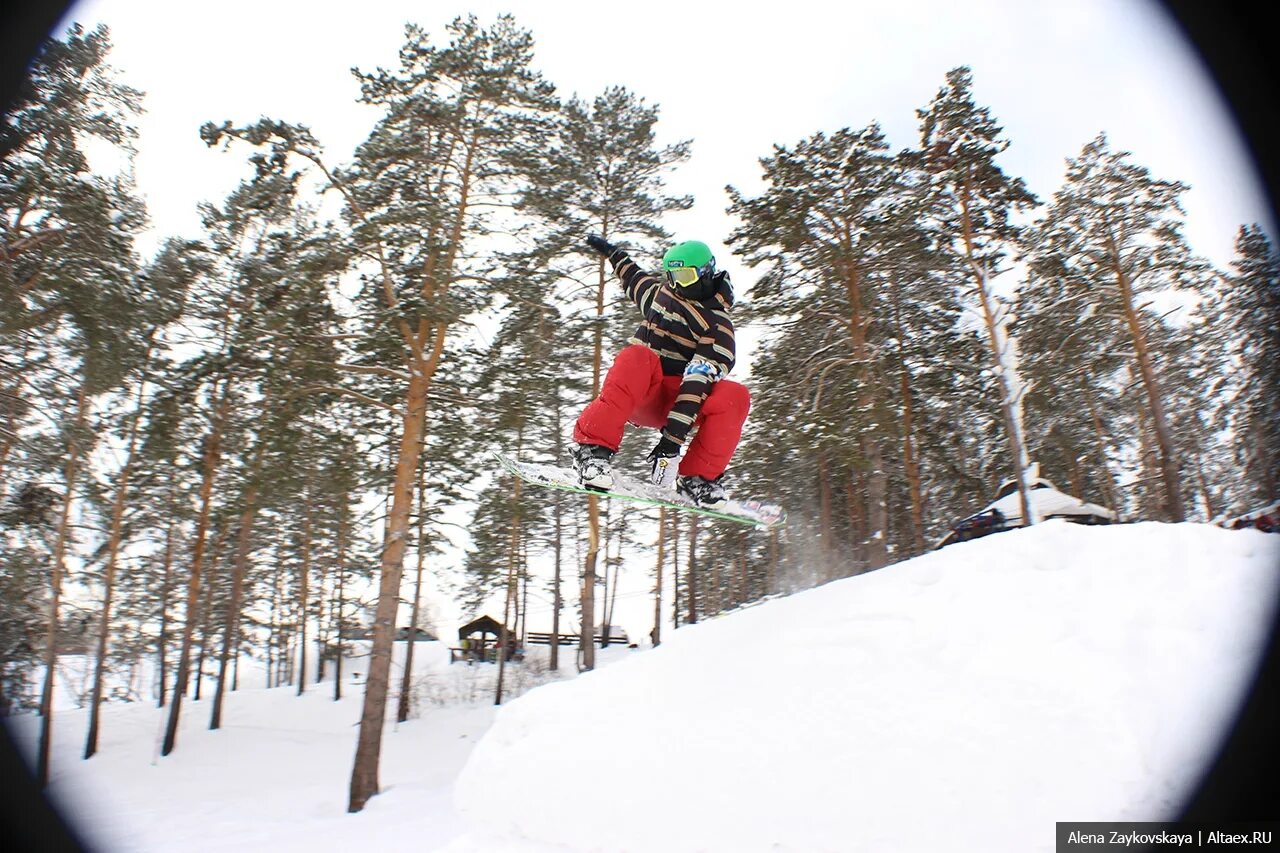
[509,465]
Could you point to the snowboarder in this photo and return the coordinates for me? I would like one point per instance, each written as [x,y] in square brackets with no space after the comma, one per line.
[670,377]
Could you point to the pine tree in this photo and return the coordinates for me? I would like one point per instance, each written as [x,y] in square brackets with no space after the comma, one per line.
[68,274]
[1111,240]
[459,123]
[865,348]
[163,489]
[66,233]
[294,353]
[972,202]
[271,270]
[516,383]
[23,597]
[168,279]
[603,174]
[1251,310]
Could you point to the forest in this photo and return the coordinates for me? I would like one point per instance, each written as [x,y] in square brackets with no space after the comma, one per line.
[257,443]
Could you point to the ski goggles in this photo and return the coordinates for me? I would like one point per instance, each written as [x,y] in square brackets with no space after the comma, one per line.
[685,276]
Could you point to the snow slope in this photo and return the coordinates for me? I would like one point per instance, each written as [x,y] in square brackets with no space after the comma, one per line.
[275,776]
[964,700]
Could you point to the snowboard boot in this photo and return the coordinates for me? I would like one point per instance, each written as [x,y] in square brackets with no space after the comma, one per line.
[594,466]
[703,492]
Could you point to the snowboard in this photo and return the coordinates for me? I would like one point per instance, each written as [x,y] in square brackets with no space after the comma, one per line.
[754,513]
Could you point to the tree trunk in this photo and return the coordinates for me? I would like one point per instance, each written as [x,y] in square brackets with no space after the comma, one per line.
[1152,495]
[1076,475]
[513,558]
[167,577]
[691,571]
[235,666]
[239,568]
[716,604]
[364,773]
[108,582]
[1008,403]
[604,591]
[587,640]
[675,571]
[656,637]
[273,632]
[437,271]
[1210,506]
[524,596]
[611,598]
[71,472]
[557,547]
[206,605]
[744,583]
[212,454]
[12,408]
[342,580]
[771,578]
[1110,489]
[304,589]
[875,541]
[876,548]
[406,682]
[825,530]
[556,598]
[910,465]
[857,510]
[1168,459]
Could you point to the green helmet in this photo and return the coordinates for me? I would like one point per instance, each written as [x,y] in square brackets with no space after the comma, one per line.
[690,255]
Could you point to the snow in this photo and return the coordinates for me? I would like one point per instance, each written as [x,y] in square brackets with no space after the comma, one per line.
[964,700]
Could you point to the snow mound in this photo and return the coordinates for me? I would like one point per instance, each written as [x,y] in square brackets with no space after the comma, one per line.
[964,700]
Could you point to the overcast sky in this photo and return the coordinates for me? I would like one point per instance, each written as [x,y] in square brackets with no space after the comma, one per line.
[736,82]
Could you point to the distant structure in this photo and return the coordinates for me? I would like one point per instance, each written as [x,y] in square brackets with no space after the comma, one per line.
[475,645]
[1264,518]
[617,637]
[1005,512]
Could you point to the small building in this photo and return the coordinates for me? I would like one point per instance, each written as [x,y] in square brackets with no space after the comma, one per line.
[475,643]
[1005,512]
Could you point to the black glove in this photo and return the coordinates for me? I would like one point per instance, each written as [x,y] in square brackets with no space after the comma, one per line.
[600,244]
[723,285]
[664,462]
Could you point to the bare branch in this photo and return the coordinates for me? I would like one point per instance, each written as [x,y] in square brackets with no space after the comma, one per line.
[19,246]
[345,392]
[360,368]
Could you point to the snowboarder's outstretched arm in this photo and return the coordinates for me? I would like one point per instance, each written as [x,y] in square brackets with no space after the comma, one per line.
[639,285]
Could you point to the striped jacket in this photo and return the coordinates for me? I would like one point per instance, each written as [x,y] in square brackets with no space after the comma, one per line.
[692,339]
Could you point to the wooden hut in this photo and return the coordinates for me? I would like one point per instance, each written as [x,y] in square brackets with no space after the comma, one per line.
[478,641]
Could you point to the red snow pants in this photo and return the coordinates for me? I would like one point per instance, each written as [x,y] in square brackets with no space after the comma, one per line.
[636,392]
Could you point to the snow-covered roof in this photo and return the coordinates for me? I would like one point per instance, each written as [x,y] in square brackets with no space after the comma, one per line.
[1046,501]
[1225,520]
